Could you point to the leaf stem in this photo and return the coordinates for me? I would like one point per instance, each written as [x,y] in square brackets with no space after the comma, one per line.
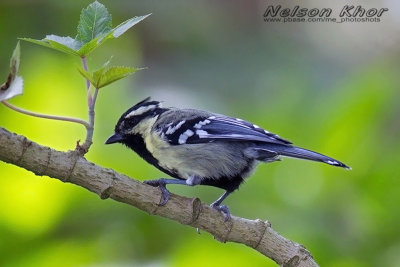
[45,116]
[85,67]
[96,92]
[89,95]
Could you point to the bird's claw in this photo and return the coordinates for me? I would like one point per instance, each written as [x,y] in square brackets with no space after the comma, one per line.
[224,209]
[164,195]
[164,192]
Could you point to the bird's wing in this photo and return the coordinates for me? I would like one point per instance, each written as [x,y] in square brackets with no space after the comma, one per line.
[217,127]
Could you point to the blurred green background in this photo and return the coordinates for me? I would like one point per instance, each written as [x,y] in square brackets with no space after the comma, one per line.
[333,88]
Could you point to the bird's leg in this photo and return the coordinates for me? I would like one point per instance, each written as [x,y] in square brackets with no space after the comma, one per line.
[222,208]
[162,182]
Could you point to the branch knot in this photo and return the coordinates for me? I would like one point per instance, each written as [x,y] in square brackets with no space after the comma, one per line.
[45,166]
[106,193]
[75,155]
[262,227]
[197,208]
[25,144]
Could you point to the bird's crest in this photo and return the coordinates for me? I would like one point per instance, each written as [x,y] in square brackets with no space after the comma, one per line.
[141,108]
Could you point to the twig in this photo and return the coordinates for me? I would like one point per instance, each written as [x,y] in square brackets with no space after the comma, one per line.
[71,167]
[45,116]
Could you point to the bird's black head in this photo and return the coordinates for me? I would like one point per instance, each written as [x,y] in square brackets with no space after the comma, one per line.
[135,121]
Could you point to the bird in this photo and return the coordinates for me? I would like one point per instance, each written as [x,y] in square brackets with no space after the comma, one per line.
[198,147]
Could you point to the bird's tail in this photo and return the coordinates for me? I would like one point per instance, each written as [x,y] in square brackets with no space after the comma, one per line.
[301,153]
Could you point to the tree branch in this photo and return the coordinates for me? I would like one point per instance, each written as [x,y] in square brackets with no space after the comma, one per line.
[72,168]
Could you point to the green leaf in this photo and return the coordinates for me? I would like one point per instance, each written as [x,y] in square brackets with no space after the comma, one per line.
[97,76]
[94,29]
[126,25]
[114,33]
[65,41]
[38,42]
[53,45]
[94,21]
[113,74]
[92,45]
[107,75]
[93,77]
[85,74]
[14,85]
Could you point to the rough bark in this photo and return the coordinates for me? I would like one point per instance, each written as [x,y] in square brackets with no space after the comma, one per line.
[72,168]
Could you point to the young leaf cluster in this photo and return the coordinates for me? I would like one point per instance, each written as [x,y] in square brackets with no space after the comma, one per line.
[94,28]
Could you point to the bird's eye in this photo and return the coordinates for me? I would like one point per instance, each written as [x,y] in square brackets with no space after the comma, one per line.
[131,122]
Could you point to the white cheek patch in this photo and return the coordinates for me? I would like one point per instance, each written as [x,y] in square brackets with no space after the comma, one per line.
[140,111]
[144,126]
[183,137]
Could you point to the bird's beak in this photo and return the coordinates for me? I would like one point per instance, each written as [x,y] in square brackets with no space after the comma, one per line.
[115,138]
